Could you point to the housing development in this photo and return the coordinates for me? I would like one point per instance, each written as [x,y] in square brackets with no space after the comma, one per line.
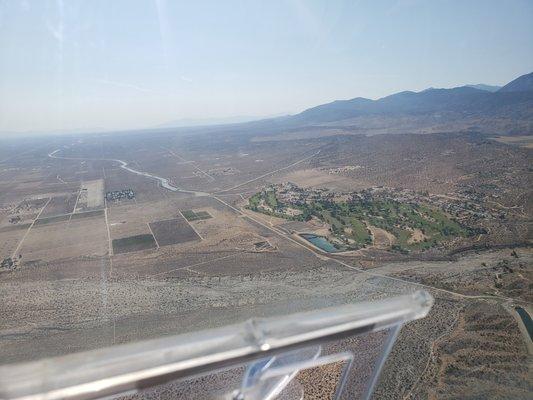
[400,220]
[111,238]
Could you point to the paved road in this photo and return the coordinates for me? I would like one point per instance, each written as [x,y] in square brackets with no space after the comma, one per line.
[364,271]
[320,255]
[270,173]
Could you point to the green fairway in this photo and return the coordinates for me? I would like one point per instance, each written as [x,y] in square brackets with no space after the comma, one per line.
[349,220]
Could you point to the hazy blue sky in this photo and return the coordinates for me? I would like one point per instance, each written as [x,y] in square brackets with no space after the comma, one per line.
[124,64]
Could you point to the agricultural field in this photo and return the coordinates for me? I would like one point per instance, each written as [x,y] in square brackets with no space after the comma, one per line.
[52,220]
[60,205]
[91,195]
[444,211]
[133,243]
[173,231]
[191,215]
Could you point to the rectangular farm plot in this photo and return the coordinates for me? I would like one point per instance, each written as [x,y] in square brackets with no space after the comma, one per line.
[69,217]
[52,220]
[17,227]
[91,195]
[191,215]
[60,205]
[9,242]
[133,243]
[88,214]
[65,239]
[173,231]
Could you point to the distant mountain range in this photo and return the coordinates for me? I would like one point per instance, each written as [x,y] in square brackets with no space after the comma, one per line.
[523,83]
[465,100]
[488,88]
[506,110]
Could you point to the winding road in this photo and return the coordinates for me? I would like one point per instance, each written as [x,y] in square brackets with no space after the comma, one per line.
[165,183]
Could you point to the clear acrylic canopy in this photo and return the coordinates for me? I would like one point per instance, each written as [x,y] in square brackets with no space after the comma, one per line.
[335,352]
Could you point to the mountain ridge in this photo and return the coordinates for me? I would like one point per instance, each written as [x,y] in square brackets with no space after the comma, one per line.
[487,88]
[523,83]
[512,102]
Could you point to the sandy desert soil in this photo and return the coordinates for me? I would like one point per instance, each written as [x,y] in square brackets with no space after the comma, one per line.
[69,292]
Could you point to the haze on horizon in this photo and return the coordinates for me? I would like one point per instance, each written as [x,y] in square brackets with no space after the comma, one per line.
[77,65]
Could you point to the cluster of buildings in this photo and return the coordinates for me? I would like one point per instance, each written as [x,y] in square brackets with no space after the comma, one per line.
[342,170]
[9,263]
[289,193]
[464,206]
[14,220]
[222,171]
[116,195]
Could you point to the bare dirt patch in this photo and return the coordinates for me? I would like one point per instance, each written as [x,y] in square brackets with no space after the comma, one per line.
[88,214]
[315,177]
[62,239]
[17,227]
[91,195]
[9,241]
[60,205]
[52,220]
[417,236]
[382,238]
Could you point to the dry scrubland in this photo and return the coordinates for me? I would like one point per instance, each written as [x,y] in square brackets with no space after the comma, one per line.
[72,290]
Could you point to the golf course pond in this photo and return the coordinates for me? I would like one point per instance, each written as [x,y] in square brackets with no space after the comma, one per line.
[320,241]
